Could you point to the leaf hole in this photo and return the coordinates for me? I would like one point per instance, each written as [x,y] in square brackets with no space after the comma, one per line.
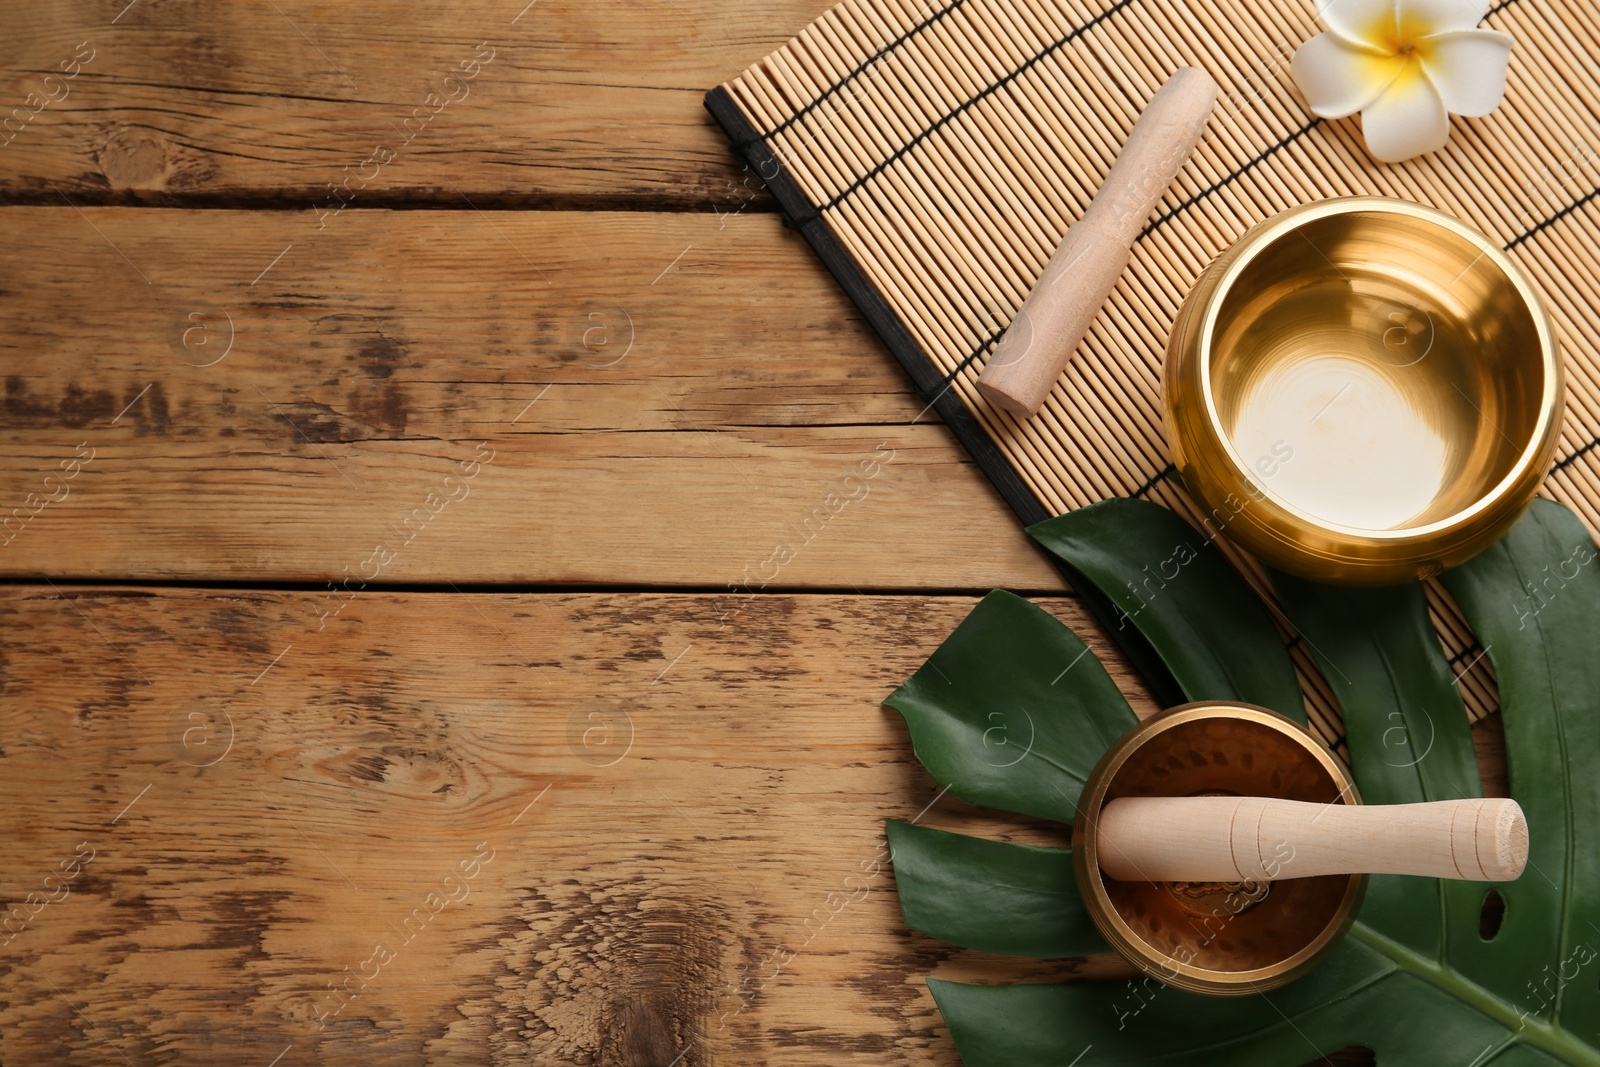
[1492,915]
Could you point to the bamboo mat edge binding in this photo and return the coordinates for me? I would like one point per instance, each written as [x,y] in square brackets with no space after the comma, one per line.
[932,158]
[930,385]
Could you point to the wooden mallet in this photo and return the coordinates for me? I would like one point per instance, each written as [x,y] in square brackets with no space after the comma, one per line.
[1052,322]
[1257,839]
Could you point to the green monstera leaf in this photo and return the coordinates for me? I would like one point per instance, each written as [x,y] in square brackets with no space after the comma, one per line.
[1171,583]
[1420,979]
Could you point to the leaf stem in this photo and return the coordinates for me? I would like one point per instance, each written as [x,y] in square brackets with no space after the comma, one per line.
[1541,1035]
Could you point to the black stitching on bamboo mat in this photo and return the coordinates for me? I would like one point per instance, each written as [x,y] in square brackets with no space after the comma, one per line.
[1237,172]
[1154,481]
[1060,43]
[1563,464]
[1552,220]
[974,354]
[860,68]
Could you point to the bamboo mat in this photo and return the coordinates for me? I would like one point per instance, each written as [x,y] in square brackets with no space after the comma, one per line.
[934,155]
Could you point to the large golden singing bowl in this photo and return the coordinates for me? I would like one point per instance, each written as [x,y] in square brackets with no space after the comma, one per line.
[1363,391]
[1216,937]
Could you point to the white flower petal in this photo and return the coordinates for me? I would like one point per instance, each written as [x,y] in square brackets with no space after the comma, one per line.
[1360,22]
[1417,18]
[1407,120]
[1468,67]
[1339,80]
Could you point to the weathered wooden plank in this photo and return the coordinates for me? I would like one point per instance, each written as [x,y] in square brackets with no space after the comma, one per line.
[234,808]
[556,102]
[639,398]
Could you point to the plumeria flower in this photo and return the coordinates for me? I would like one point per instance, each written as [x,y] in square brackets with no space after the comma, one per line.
[1406,65]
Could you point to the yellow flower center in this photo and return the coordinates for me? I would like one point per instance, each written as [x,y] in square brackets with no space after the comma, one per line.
[1398,36]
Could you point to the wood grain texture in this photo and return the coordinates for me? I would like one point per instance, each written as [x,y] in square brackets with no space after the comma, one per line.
[570,102]
[700,864]
[668,399]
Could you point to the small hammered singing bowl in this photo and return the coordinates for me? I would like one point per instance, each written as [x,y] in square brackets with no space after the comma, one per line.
[1215,937]
[1363,391]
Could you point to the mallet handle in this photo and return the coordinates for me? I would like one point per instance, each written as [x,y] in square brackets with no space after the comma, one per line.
[1034,350]
[1254,839]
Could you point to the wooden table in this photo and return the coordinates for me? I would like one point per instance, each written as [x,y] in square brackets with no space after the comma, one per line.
[405,409]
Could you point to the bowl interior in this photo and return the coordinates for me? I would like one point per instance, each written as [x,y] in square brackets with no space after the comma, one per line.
[1375,371]
[1228,928]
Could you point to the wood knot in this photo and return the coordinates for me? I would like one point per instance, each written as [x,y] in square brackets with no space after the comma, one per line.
[134,159]
[401,772]
[619,970]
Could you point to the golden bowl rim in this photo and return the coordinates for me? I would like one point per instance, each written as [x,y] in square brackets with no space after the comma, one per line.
[1121,936]
[1265,233]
